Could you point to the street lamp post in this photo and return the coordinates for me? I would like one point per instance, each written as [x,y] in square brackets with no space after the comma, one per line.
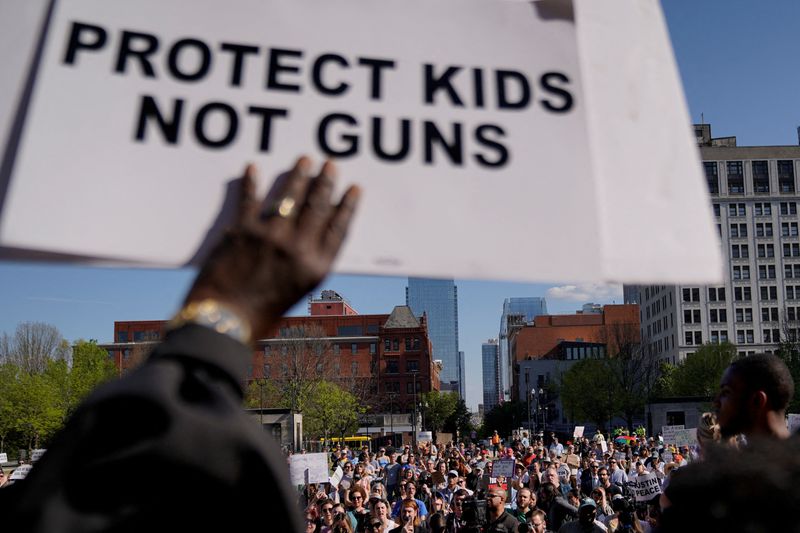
[391,417]
[414,422]
[530,427]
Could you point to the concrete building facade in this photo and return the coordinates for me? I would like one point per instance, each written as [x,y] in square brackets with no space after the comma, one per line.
[518,310]
[754,202]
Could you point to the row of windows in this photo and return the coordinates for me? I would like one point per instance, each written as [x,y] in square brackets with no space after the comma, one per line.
[320,368]
[394,386]
[760,172]
[318,349]
[139,336]
[393,365]
[760,209]
[393,345]
[745,294]
[763,229]
[743,336]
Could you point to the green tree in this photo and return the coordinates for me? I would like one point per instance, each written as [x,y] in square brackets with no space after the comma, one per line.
[37,410]
[8,393]
[588,391]
[439,406]
[332,411]
[460,421]
[504,418]
[91,367]
[699,374]
[633,369]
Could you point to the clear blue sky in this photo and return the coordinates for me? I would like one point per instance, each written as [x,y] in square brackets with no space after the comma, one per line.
[738,61]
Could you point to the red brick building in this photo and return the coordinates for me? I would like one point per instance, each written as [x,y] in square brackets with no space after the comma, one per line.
[571,337]
[537,340]
[385,356]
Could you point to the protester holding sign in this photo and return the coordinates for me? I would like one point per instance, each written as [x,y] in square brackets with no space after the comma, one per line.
[189,391]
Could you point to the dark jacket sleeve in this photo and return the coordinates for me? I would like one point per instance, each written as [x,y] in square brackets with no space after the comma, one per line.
[168,446]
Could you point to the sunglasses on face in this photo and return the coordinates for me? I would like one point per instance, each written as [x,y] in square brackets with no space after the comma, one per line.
[327,509]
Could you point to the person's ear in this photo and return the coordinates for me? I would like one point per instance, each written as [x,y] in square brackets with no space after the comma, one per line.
[759,400]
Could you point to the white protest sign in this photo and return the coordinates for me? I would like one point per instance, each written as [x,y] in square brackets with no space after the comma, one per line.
[503,467]
[667,457]
[337,476]
[21,472]
[793,422]
[686,437]
[564,473]
[619,456]
[161,106]
[308,468]
[578,432]
[603,446]
[647,486]
[3,457]
[425,436]
[37,454]
[668,433]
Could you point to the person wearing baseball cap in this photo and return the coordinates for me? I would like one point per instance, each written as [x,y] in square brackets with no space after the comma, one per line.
[587,519]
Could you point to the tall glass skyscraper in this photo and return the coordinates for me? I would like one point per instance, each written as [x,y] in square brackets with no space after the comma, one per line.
[491,377]
[525,308]
[438,299]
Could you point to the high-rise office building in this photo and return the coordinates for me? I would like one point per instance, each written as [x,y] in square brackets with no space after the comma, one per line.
[490,358]
[520,310]
[438,299]
[754,200]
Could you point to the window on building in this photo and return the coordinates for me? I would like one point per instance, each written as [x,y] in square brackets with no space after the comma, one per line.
[716,294]
[353,348]
[716,209]
[736,210]
[762,209]
[741,272]
[791,271]
[765,250]
[396,344]
[760,177]
[769,314]
[718,315]
[387,345]
[410,387]
[373,348]
[791,249]
[349,331]
[691,316]
[766,271]
[336,349]
[735,177]
[285,349]
[789,229]
[738,230]
[771,335]
[742,294]
[412,365]
[791,293]
[792,313]
[354,368]
[769,292]
[392,366]
[740,251]
[786,176]
[788,208]
[744,314]
[712,176]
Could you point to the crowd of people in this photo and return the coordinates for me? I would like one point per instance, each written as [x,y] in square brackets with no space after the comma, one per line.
[572,486]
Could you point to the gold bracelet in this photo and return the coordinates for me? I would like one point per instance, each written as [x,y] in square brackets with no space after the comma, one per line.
[215,315]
